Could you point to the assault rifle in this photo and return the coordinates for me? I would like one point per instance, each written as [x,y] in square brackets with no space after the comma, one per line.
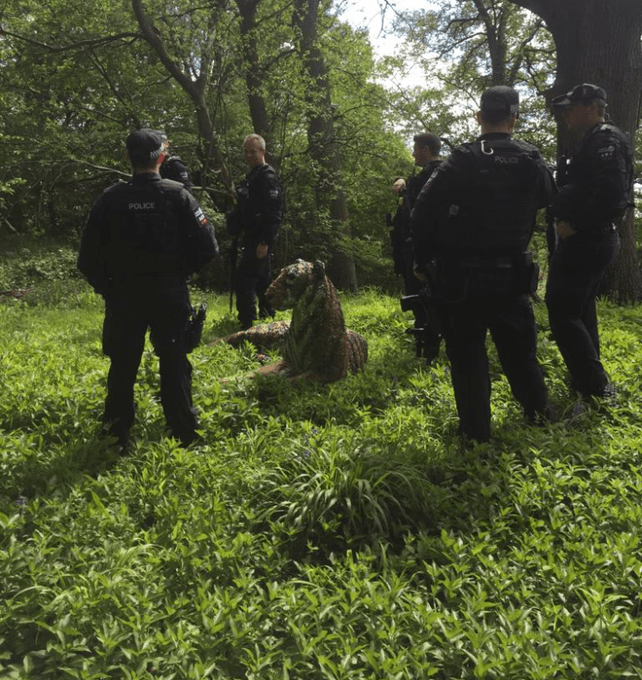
[431,305]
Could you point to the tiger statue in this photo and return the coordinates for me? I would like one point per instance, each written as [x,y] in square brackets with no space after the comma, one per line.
[315,344]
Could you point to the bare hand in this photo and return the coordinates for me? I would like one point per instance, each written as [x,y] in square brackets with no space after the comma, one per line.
[261,251]
[564,229]
[399,186]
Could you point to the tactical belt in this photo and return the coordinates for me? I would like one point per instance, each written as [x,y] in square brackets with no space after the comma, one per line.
[479,262]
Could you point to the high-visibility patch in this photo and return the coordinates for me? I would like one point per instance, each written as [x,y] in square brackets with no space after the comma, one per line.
[200,216]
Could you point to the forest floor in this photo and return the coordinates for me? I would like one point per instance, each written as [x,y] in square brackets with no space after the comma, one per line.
[316,531]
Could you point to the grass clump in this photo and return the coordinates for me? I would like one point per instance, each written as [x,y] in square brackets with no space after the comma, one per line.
[318,531]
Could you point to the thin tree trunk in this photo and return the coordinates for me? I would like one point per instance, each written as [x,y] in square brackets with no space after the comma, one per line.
[322,140]
[253,74]
[194,88]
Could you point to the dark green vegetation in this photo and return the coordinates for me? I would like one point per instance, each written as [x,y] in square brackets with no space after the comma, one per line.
[77,76]
[318,531]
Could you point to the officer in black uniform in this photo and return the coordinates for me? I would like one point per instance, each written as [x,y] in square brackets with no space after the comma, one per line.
[425,151]
[474,219]
[173,167]
[142,240]
[257,217]
[593,197]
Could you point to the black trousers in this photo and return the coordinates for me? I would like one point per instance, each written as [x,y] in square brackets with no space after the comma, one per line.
[253,278]
[575,272]
[165,310]
[512,325]
[412,285]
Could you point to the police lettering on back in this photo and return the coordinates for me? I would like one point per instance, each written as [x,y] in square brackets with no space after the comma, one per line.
[150,205]
[507,160]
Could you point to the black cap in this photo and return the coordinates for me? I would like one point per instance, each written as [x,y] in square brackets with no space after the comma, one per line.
[500,99]
[162,134]
[144,146]
[586,93]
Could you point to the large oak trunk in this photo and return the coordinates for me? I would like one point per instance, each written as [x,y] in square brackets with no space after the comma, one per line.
[599,42]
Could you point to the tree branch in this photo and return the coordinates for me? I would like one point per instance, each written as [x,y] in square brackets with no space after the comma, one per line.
[153,38]
[82,44]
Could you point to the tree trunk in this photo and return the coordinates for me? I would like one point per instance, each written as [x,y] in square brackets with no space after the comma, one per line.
[194,88]
[599,42]
[253,74]
[322,140]
[496,37]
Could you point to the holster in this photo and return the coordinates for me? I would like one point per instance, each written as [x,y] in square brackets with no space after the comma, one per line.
[194,329]
[526,274]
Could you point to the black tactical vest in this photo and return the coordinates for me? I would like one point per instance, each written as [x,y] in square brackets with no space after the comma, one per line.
[145,232]
[499,198]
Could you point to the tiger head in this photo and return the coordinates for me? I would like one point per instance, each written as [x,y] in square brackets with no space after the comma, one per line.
[293,281]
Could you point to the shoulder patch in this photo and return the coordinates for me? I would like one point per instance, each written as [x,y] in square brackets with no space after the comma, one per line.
[200,216]
[432,178]
[606,152]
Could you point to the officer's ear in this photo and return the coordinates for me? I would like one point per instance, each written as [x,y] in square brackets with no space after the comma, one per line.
[513,120]
[478,117]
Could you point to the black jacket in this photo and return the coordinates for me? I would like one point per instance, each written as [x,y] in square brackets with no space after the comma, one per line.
[482,200]
[401,243]
[174,168]
[259,207]
[145,227]
[595,186]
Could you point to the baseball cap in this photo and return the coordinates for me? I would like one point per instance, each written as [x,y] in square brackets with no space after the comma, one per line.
[586,93]
[162,134]
[500,99]
[144,145]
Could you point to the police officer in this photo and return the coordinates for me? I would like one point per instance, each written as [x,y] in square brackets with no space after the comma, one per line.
[475,217]
[425,151]
[173,167]
[593,197]
[142,240]
[257,217]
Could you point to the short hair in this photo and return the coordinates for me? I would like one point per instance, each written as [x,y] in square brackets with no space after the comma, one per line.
[431,141]
[143,166]
[255,138]
[495,117]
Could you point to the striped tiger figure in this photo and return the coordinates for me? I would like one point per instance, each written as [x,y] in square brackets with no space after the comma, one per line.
[315,344]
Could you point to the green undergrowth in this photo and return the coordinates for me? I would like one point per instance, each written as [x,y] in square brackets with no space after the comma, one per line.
[317,531]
